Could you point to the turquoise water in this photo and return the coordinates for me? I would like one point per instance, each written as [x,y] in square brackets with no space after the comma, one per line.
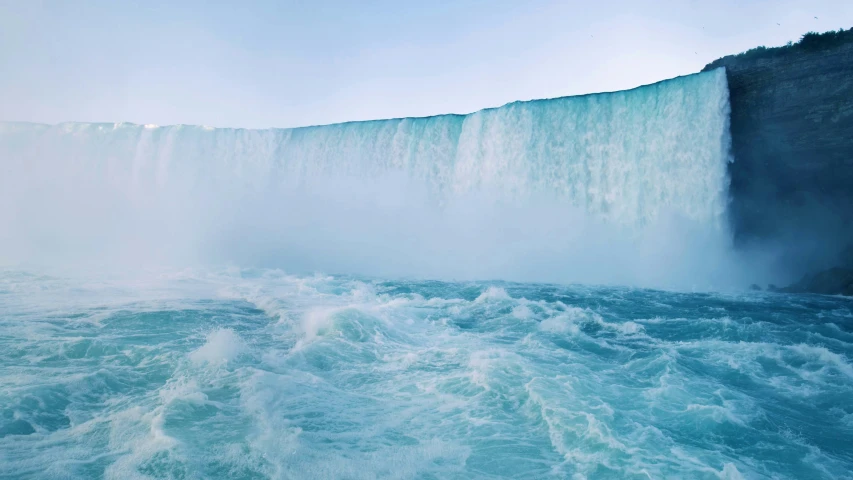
[259,374]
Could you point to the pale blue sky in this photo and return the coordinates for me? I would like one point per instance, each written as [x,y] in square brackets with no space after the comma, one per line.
[291,63]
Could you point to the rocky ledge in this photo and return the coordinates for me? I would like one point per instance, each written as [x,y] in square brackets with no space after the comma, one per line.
[792,141]
[835,281]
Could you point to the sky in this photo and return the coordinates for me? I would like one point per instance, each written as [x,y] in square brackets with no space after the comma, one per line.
[260,64]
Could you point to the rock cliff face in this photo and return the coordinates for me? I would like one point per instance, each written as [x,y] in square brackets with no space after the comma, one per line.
[792,139]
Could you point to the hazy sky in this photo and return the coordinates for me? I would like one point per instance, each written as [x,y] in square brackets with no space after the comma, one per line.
[291,63]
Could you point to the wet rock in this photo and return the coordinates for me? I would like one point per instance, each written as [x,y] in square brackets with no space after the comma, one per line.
[835,281]
[792,138]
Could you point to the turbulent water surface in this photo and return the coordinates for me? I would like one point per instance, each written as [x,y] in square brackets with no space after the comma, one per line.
[259,374]
[241,373]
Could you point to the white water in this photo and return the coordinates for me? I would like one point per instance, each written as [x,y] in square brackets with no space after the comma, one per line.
[251,374]
[625,187]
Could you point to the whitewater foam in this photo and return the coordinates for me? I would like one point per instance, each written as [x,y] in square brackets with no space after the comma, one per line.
[222,345]
[417,377]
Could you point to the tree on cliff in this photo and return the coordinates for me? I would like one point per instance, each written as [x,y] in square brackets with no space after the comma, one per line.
[809,42]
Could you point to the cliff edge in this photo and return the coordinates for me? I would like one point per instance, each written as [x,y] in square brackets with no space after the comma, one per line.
[792,141]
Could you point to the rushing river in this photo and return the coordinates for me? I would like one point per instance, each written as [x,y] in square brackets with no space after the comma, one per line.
[259,374]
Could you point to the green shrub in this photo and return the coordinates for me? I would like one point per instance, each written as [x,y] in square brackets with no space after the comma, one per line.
[811,41]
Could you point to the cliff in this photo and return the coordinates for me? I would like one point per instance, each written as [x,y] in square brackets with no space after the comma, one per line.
[792,141]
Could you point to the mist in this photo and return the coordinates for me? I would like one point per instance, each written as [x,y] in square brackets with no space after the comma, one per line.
[390,226]
[625,188]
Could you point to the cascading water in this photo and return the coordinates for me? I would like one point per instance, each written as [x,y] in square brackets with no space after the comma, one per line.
[158,351]
[532,190]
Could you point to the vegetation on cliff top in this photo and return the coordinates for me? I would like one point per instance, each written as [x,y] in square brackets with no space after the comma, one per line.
[808,42]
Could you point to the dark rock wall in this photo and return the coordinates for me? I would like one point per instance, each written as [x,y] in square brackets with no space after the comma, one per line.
[792,139]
